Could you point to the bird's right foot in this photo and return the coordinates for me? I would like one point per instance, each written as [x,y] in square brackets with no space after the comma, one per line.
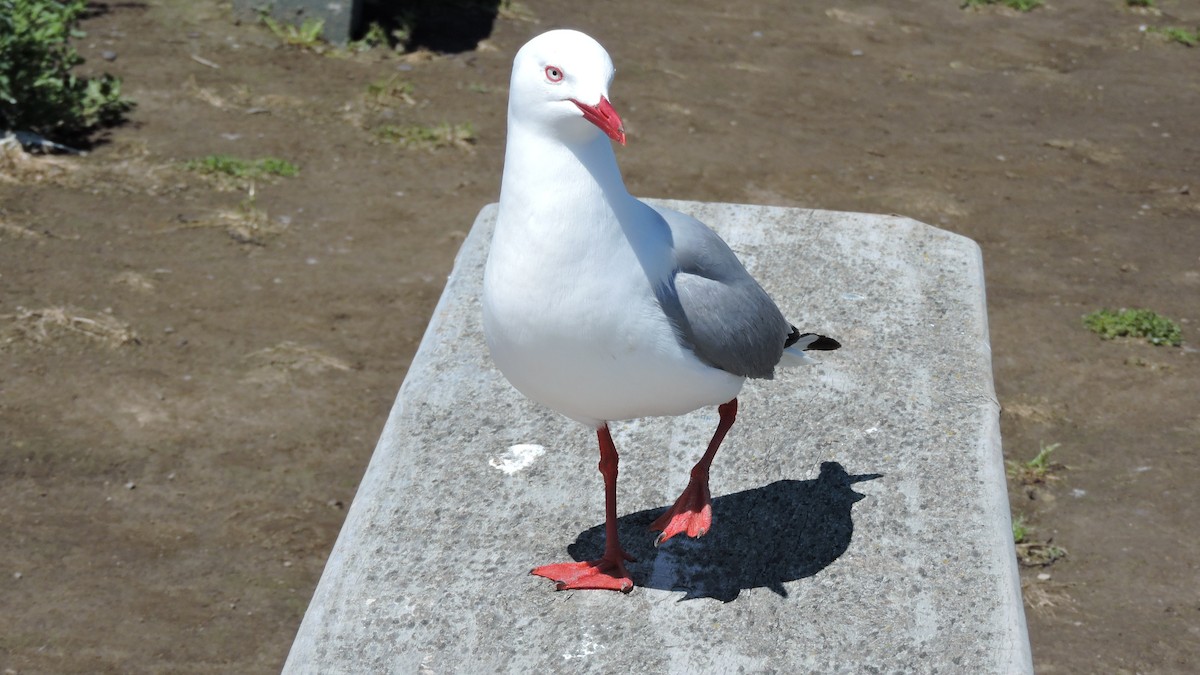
[607,573]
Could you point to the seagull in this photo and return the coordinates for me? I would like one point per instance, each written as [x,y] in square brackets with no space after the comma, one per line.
[605,308]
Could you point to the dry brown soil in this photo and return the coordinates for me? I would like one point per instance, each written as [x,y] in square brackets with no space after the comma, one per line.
[188,395]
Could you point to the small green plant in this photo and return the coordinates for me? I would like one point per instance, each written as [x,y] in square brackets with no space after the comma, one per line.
[1033,553]
[305,36]
[243,168]
[1037,470]
[390,90]
[1019,529]
[380,35]
[1143,323]
[1140,3]
[1019,5]
[38,92]
[1037,554]
[375,36]
[431,137]
[273,166]
[1183,36]
[1041,462]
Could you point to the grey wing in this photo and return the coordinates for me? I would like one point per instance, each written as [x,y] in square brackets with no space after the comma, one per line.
[718,310]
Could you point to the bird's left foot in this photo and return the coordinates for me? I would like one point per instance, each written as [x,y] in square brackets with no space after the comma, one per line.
[691,513]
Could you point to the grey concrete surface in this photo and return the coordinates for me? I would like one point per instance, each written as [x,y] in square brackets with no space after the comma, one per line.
[861,522]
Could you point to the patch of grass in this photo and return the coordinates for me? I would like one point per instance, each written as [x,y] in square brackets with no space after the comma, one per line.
[442,135]
[390,90]
[376,36]
[1019,529]
[1037,554]
[1137,323]
[394,34]
[1019,5]
[1037,470]
[243,168]
[392,23]
[38,91]
[305,36]
[1140,3]
[273,166]
[1033,553]
[1183,36]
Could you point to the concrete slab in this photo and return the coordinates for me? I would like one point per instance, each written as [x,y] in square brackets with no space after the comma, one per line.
[861,520]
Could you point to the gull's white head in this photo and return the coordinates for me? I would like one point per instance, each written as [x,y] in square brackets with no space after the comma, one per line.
[560,82]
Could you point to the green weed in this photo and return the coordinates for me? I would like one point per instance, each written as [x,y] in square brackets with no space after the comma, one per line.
[379,35]
[1143,323]
[38,92]
[1037,470]
[1037,554]
[429,137]
[1140,3]
[1019,530]
[1033,553]
[1019,5]
[243,168]
[305,36]
[1183,36]
[375,36]
[390,90]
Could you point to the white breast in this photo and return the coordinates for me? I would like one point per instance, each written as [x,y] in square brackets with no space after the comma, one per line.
[572,321]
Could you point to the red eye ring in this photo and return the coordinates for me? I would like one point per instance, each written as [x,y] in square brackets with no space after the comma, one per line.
[554,73]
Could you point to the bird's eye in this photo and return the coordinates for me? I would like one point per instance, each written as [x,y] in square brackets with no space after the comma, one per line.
[554,73]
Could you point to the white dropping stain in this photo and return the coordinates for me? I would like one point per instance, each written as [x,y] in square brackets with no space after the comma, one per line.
[517,457]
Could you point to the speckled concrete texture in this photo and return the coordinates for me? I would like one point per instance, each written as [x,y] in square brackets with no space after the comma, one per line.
[860,525]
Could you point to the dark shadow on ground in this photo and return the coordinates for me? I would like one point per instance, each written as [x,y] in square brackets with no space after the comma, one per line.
[761,538]
[446,26]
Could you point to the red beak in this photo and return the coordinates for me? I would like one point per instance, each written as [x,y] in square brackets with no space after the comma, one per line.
[605,117]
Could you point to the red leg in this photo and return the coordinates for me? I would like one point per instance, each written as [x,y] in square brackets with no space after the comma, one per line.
[692,512]
[608,572]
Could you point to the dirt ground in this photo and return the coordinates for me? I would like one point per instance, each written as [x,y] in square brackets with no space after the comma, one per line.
[193,377]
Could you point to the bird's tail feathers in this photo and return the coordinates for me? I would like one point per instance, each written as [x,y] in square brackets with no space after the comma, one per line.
[794,354]
[793,358]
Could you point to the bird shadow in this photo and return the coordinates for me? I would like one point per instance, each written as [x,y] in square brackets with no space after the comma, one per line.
[761,538]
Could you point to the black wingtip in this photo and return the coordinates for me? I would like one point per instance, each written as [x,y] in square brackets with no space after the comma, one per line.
[792,338]
[821,344]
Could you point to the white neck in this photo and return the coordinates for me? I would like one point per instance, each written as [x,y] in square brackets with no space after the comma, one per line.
[546,177]
[565,204]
